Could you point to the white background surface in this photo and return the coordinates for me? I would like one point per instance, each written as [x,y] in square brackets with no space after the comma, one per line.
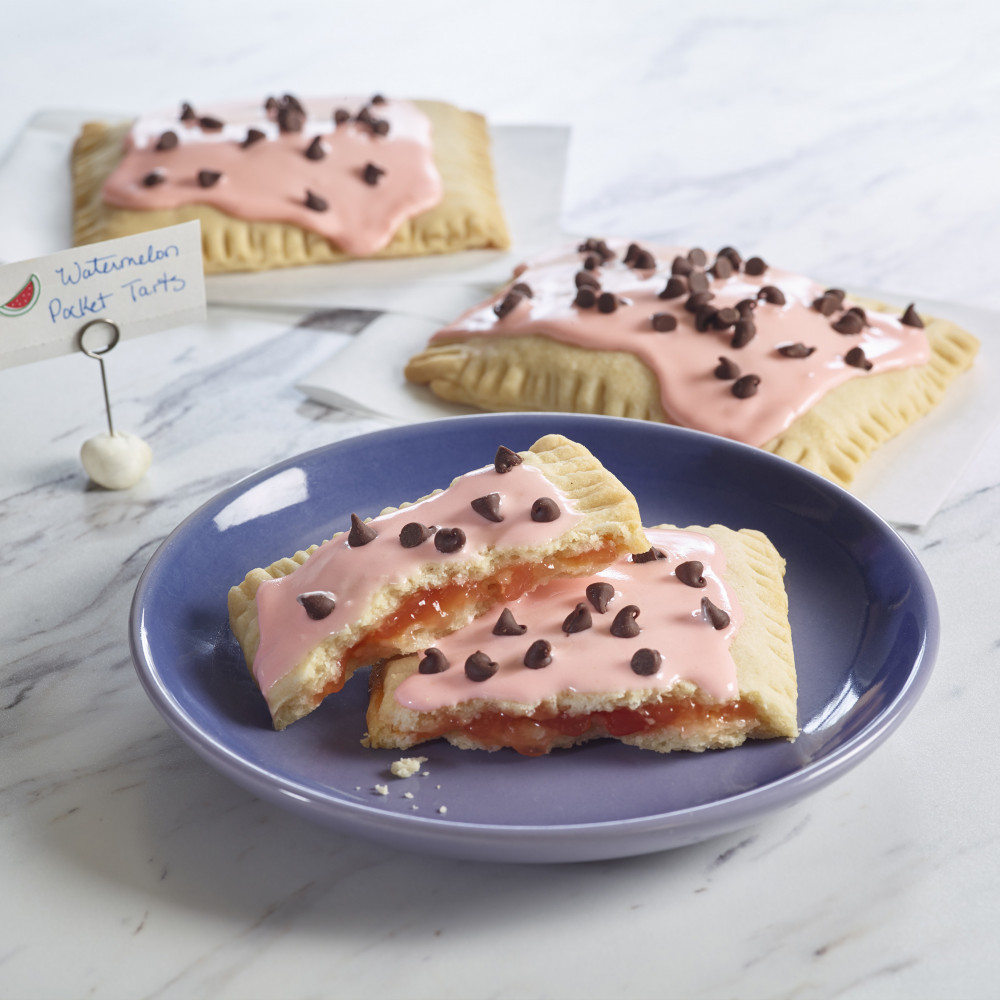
[857,142]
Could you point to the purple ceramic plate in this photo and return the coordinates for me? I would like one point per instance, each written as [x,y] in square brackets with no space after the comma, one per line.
[864,624]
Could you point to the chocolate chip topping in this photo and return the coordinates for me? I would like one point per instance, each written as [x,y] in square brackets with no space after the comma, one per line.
[505,459]
[734,256]
[524,289]
[365,116]
[188,113]
[826,304]
[341,116]
[607,302]
[449,539]
[838,294]
[208,178]
[860,313]
[488,507]
[650,555]
[584,279]
[291,101]
[380,126]
[271,106]
[797,350]
[508,304]
[698,257]
[371,174]
[704,317]
[361,533]
[630,254]
[315,150]
[713,614]
[690,573]
[698,281]
[848,323]
[726,317]
[377,99]
[544,509]
[644,261]
[168,140]
[578,620]
[744,331]
[599,247]
[413,534]
[663,322]
[755,267]
[745,386]
[291,119]
[696,301]
[153,178]
[315,202]
[507,626]
[746,307]
[592,262]
[722,268]
[209,124]
[600,594]
[539,655]
[772,294]
[253,135]
[433,661]
[726,369]
[317,603]
[625,625]
[681,265]
[586,298]
[645,662]
[910,317]
[855,357]
[676,287]
[479,667]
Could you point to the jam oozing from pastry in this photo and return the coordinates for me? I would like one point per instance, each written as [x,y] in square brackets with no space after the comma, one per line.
[314,174]
[739,349]
[362,575]
[595,660]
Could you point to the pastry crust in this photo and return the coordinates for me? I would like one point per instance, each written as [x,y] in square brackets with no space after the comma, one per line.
[608,526]
[761,649]
[468,216]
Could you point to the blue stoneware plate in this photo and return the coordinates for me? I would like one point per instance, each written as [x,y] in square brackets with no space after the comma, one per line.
[864,625]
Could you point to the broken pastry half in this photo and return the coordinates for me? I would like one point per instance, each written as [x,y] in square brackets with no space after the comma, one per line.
[721,344]
[396,584]
[289,181]
[686,647]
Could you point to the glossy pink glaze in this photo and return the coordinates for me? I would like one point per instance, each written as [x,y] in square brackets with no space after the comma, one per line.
[287,633]
[684,359]
[268,180]
[594,661]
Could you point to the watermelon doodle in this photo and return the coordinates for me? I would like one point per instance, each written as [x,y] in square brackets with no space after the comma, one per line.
[24,300]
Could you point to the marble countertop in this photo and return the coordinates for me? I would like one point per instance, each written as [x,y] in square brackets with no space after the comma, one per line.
[858,142]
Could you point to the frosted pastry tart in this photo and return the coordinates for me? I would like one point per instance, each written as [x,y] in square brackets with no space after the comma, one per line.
[725,345]
[397,583]
[294,182]
[689,649]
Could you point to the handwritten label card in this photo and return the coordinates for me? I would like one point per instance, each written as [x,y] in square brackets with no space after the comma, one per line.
[141,283]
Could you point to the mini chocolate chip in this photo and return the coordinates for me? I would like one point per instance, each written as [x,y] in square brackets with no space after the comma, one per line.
[910,317]
[650,555]
[479,667]
[722,268]
[744,331]
[745,386]
[507,626]
[772,294]
[365,116]
[645,662]
[607,302]
[584,279]
[253,135]
[848,323]
[505,459]
[631,253]
[681,265]
[508,304]
[371,174]
[208,178]
[860,313]
[746,307]
[168,140]
[488,507]
[585,298]
[644,261]
[797,350]
[153,178]
[676,286]
[725,318]
[755,267]
[539,655]
[377,99]
[694,302]
[663,322]
[290,119]
[713,614]
[578,620]
[545,509]
[315,150]
[449,539]
[726,369]
[523,288]
[690,573]
[837,293]
[291,101]
[704,318]
[592,262]
[380,126]
[413,534]
[433,661]
[341,115]
[318,603]
[698,257]
[361,533]
[625,625]
[315,202]
[734,256]
[855,357]
[210,124]
[698,281]
[271,106]
[187,113]
[600,595]
[826,304]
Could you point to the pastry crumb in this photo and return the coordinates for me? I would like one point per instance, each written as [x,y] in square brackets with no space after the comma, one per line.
[407,795]
[406,767]
[442,809]
[381,789]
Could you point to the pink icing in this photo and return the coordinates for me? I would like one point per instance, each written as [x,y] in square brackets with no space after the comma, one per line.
[269,179]
[684,359]
[354,575]
[594,661]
